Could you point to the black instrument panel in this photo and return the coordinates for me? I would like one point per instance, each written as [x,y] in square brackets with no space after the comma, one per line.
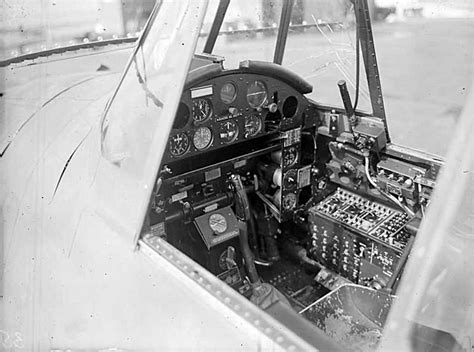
[229,109]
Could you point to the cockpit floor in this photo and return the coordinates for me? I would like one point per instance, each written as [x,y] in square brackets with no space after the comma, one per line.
[296,283]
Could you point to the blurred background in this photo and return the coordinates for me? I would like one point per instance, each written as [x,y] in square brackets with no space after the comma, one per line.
[33,25]
[424,49]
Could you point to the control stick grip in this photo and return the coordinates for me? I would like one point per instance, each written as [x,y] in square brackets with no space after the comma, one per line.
[346,99]
[242,211]
[242,207]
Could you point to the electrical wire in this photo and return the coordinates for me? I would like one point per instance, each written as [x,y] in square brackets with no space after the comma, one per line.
[422,209]
[367,173]
[387,195]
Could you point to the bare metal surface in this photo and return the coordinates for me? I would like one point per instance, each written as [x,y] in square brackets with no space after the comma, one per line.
[62,50]
[352,315]
[254,316]
[437,289]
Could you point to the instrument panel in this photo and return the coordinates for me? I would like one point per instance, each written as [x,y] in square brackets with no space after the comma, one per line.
[230,109]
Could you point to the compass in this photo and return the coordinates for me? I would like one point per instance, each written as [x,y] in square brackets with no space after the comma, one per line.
[218,223]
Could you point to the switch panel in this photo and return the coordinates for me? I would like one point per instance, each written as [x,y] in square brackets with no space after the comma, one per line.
[357,238]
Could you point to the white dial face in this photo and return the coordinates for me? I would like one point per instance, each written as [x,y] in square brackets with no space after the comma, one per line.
[218,223]
[202,138]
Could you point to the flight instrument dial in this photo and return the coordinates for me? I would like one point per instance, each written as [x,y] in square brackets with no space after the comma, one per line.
[256,94]
[290,156]
[202,138]
[228,93]
[202,109]
[253,125]
[289,201]
[228,131]
[179,144]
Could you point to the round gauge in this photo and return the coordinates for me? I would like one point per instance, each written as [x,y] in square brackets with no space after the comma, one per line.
[289,201]
[179,144]
[290,156]
[202,138]
[256,94]
[289,180]
[228,131]
[253,125]
[202,109]
[218,223]
[228,93]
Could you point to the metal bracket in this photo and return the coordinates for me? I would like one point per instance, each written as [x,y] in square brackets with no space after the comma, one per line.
[283,31]
[216,26]
[370,61]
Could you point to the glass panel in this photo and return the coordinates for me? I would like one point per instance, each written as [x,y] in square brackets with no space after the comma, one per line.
[136,110]
[138,118]
[320,45]
[321,48]
[424,52]
[248,32]
[29,26]
[436,295]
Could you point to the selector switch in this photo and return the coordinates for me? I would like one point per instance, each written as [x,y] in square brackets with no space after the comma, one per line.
[233,111]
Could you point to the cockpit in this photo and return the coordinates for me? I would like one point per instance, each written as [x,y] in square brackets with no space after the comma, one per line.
[232,178]
[311,185]
[284,198]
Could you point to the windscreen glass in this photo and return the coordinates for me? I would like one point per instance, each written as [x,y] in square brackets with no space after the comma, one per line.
[321,43]
[424,57]
[321,48]
[248,32]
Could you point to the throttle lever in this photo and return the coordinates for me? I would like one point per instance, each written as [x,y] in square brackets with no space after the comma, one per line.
[346,100]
